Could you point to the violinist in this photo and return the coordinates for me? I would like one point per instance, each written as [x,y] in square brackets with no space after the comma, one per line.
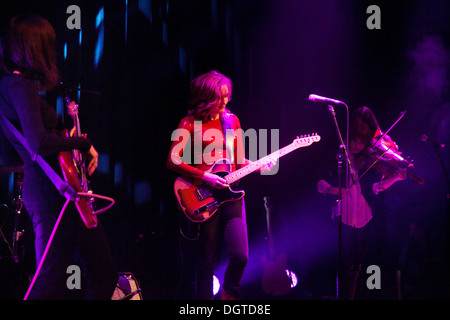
[362,200]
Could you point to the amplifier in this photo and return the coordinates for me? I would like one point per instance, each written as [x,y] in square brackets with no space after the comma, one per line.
[127,288]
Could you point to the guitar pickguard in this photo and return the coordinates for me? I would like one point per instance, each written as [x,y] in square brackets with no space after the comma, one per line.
[200,202]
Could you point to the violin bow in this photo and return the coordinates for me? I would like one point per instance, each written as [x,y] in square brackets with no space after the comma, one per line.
[402,114]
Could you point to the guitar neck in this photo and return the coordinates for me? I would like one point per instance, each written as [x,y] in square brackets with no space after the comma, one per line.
[76,121]
[269,228]
[252,167]
[72,110]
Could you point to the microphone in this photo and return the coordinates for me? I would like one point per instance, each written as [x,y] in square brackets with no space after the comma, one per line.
[316,98]
[437,144]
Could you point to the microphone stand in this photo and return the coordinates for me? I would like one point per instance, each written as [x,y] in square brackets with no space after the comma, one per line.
[437,148]
[341,157]
[18,205]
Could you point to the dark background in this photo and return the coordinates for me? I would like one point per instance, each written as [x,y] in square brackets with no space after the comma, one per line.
[140,57]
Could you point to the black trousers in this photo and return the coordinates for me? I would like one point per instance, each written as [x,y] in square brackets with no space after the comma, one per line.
[355,244]
[73,245]
[200,259]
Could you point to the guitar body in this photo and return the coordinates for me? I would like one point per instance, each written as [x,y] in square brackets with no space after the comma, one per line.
[73,176]
[200,202]
[275,280]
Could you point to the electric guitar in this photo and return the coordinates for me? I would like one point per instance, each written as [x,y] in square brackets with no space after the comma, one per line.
[199,202]
[75,172]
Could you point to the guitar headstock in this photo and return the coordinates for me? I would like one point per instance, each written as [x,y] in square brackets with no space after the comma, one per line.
[306,140]
[72,108]
[268,205]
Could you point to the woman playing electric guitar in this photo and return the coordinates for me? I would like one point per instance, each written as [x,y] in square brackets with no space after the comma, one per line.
[210,94]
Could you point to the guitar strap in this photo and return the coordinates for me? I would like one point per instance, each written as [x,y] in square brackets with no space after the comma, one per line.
[63,187]
[228,135]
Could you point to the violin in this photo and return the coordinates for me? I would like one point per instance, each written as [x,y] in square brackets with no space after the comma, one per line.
[383,155]
[389,149]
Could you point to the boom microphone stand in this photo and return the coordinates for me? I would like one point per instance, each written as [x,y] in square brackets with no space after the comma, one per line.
[437,148]
[341,157]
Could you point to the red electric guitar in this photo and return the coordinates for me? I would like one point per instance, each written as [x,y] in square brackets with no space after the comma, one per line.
[75,172]
[199,202]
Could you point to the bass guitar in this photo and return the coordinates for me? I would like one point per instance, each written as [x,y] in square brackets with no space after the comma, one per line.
[199,202]
[74,170]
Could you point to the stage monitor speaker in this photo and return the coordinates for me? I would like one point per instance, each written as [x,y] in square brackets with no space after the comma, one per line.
[127,288]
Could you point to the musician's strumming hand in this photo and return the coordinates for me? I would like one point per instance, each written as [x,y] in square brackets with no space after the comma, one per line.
[214,180]
[93,163]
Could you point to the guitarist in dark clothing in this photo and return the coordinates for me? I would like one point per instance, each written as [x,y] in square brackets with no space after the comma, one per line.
[28,66]
[210,94]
